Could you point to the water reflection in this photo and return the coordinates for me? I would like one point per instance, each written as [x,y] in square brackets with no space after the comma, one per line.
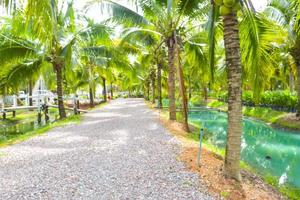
[269,150]
[9,129]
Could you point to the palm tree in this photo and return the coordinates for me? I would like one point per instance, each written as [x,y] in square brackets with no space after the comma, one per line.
[165,26]
[233,61]
[286,14]
[256,37]
[52,31]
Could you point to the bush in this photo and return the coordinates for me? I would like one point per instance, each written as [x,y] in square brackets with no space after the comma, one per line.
[278,100]
[196,100]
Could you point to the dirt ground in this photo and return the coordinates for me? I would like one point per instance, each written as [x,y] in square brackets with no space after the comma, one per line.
[252,186]
[84,106]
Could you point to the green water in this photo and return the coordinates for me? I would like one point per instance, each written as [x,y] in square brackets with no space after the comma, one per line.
[269,150]
[11,129]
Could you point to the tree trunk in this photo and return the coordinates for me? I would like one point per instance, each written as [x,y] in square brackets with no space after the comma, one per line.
[94,92]
[153,85]
[205,94]
[104,89]
[234,68]
[171,77]
[190,87]
[147,89]
[182,89]
[291,82]
[159,85]
[148,93]
[91,86]
[91,95]
[111,91]
[30,86]
[61,107]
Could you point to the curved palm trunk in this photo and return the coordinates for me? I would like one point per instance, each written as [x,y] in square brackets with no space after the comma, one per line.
[104,89]
[159,85]
[182,90]
[233,62]
[171,77]
[61,107]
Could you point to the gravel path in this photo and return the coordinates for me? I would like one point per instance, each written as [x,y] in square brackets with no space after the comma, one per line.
[117,152]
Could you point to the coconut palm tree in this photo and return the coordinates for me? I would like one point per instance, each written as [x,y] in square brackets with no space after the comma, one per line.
[286,14]
[166,27]
[254,50]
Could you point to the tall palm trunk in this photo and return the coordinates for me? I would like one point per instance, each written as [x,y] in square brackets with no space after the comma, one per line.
[30,86]
[153,85]
[91,95]
[234,68]
[111,91]
[182,89]
[147,85]
[171,77]
[295,52]
[291,82]
[91,86]
[61,107]
[159,85]
[104,89]
[205,94]
[190,86]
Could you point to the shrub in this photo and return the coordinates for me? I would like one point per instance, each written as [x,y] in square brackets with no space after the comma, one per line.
[279,100]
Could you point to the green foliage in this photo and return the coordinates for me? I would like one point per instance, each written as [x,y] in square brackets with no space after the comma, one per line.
[278,99]
[216,104]
[265,114]
[196,100]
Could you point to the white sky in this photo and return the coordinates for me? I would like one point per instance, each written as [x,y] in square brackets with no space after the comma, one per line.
[94,12]
[260,4]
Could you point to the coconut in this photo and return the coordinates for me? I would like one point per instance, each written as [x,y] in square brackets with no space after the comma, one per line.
[229,3]
[224,10]
[237,6]
[219,2]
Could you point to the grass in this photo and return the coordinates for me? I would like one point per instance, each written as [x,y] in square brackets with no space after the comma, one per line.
[216,104]
[19,117]
[265,114]
[286,123]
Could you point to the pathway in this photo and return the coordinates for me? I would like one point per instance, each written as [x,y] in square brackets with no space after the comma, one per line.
[119,151]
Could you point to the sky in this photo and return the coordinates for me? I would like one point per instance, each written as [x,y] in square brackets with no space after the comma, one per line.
[259,4]
[94,12]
